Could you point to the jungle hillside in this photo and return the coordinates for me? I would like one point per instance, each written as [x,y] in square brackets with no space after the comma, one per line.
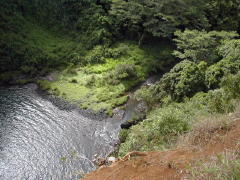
[93,53]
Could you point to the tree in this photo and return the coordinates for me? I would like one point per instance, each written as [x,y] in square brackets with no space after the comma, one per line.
[157,18]
[184,80]
[230,49]
[199,46]
[223,14]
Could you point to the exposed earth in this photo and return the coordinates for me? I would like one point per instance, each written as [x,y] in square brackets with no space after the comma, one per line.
[173,164]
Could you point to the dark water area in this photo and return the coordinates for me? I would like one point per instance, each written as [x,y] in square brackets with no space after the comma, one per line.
[40,140]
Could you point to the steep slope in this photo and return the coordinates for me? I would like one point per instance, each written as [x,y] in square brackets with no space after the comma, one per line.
[177,163]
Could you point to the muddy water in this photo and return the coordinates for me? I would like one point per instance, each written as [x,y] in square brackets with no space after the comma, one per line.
[39,140]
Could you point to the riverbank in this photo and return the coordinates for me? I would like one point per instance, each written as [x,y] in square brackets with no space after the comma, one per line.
[210,150]
[104,86]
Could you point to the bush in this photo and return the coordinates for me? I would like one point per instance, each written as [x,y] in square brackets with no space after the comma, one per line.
[160,127]
[117,52]
[214,101]
[123,135]
[91,80]
[231,85]
[184,80]
[217,71]
[96,55]
[218,101]
[71,71]
[8,76]
[121,72]
[145,94]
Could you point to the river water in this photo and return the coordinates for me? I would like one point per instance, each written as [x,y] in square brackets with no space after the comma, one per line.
[39,140]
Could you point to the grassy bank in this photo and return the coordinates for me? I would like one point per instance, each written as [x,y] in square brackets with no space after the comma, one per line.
[165,124]
[110,72]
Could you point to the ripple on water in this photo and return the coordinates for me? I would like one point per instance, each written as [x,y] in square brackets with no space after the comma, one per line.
[40,141]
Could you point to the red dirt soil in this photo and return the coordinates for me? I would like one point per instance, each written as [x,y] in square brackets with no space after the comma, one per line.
[169,165]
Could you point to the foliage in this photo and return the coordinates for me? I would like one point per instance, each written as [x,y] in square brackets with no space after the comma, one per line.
[96,55]
[145,94]
[218,101]
[93,86]
[231,85]
[223,14]
[217,71]
[184,80]
[123,135]
[199,46]
[160,127]
[121,72]
[230,49]
[158,18]
[164,124]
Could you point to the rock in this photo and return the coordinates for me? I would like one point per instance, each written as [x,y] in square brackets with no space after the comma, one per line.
[111,159]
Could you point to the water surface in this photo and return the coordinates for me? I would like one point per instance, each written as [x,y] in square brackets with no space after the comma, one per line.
[39,140]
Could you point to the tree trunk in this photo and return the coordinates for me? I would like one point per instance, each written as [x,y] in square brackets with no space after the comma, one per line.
[141,37]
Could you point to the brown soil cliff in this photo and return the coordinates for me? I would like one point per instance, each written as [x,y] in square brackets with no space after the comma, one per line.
[172,164]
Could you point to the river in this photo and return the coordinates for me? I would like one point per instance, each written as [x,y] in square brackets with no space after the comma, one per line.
[40,140]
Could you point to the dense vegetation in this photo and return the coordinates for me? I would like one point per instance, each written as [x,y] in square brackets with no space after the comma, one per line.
[100,49]
[192,89]
[41,35]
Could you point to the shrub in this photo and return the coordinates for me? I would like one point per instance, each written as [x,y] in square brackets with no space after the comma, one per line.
[160,127]
[121,72]
[184,80]
[218,101]
[123,135]
[145,94]
[96,55]
[7,77]
[91,80]
[71,71]
[76,58]
[56,92]
[217,71]
[24,81]
[125,71]
[231,85]
[117,52]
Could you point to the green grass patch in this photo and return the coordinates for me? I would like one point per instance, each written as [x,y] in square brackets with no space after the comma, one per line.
[103,86]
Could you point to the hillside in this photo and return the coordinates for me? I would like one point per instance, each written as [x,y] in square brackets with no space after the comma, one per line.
[208,152]
[96,54]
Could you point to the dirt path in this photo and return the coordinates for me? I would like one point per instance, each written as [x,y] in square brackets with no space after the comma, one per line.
[169,165]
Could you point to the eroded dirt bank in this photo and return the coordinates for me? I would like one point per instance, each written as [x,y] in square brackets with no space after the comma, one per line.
[172,164]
